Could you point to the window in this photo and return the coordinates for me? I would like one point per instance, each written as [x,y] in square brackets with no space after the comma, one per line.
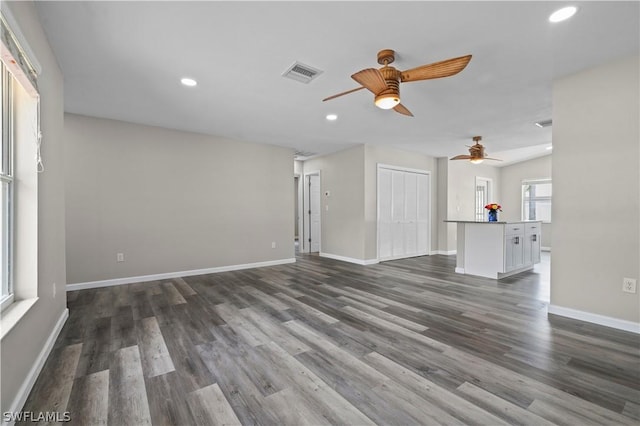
[6,193]
[536,200]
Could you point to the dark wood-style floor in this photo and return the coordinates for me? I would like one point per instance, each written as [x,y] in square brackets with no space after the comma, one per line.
[325,342]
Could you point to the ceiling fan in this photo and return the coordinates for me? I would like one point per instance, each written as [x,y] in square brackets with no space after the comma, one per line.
[477,153]
[385,82]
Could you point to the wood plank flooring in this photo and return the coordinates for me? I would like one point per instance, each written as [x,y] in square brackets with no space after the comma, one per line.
[320,341]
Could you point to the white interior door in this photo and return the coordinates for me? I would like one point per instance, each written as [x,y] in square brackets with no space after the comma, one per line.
[403,213]
[423,205]
[313,185]
[397,214]
[410,214]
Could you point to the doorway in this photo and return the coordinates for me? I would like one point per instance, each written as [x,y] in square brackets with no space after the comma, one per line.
[311,211]
[483,195]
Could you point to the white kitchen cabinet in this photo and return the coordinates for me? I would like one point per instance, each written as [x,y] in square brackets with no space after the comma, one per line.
[532,237]
[497,249]
[514,257]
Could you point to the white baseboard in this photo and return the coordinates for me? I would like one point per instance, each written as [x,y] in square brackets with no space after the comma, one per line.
[619,324]
[445,252]
[459,270]
[169,275]
[349,259]
[33,374]
[545,248]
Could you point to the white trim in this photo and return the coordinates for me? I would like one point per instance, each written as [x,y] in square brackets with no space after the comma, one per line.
[300,208]
[429,216]
[14,313]
[445,252]
[21,39]
[30,380]
[545,248]
[403,169]
[619,324]
[459,270]
[305,246]
[168,275]
[349,259]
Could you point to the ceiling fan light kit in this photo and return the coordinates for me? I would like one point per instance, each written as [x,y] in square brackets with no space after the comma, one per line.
[387,100]
[476,151]
[384,83]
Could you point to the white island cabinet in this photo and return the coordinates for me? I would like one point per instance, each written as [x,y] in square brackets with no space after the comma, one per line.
[497,249]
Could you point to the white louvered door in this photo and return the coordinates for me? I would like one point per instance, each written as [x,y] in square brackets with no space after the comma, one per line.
[403,213]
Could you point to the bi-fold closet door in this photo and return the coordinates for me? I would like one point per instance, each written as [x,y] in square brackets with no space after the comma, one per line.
[403,213]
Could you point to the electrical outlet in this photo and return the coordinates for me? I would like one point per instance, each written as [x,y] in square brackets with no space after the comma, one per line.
[273,244]
[629,285]
[119,257]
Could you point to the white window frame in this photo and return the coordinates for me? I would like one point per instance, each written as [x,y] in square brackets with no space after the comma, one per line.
[7,178]
[526,182]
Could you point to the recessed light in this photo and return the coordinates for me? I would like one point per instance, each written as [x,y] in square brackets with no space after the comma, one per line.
[332,117]
[188,82]
[562,14]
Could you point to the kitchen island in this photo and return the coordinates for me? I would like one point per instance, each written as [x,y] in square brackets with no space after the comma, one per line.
[497,249]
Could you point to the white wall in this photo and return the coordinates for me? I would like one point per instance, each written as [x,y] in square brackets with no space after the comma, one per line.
[596,184]
[22,345]
[342,225]
[511,178]
[171,201]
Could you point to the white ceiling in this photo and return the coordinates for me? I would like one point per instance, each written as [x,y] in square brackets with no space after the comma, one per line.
[124,60]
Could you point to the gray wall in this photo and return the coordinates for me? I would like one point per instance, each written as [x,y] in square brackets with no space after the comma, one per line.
[460,196]
[342,226]
[349,227]
[511,178]
[21,346]
[446,231]
[596,184]
[171,201]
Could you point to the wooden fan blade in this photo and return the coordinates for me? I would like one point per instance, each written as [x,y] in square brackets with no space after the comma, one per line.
[372,79]
[440,69]
[402,110]
[343,93]
[494,159]
[462,157]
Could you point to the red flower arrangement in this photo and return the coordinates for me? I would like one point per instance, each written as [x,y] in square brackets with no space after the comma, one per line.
[493,206]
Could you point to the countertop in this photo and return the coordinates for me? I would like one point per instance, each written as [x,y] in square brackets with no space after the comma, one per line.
[493,223]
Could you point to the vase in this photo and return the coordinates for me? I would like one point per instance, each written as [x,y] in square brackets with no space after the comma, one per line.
[493,215]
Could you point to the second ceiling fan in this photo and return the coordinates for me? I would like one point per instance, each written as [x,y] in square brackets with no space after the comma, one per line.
[476,153]
[384,83]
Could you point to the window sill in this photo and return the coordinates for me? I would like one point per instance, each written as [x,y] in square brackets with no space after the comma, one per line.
[13,314]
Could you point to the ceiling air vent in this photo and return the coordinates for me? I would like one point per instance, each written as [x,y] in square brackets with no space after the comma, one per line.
[544,123]
[301,72]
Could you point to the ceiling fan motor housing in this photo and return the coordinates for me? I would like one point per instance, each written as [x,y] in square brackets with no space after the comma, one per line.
[391,95]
